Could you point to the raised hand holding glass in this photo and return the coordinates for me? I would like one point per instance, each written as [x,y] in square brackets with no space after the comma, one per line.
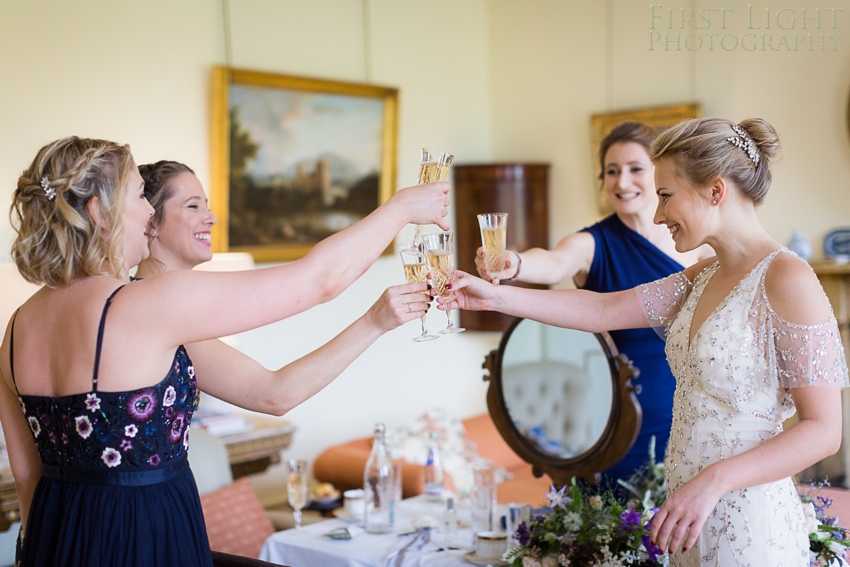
[439,249]
[416,271]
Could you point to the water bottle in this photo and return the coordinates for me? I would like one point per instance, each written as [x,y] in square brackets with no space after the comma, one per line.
[433,470]
[378,486]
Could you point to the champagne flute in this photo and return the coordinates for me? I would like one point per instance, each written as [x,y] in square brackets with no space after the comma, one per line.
[296,488]
[494,231]
[439,249]
[433,167]
[416,271]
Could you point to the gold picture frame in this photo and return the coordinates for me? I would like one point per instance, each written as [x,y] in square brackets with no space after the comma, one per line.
[295,159]
[661,117]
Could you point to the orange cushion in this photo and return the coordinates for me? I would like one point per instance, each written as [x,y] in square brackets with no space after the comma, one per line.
[489,442]
[236,522]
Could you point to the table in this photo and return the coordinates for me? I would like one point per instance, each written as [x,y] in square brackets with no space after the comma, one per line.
[253,451]
[309,546]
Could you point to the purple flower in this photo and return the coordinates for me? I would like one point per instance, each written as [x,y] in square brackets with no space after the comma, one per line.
[186,438]
[111,457]
[126,445]
[652,550]
[84,427]
[522,535]
[92,402]
[631,517]
[169,397]
[176,429]
[141,405]
[154,460]
[169,413]
[558,498]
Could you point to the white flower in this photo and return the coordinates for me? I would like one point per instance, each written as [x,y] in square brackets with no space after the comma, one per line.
[110,457]
[130,430]
[23,407]
[35,426]
[549,561]
[572,521]
[530,562]
[191,371]
[92,402]
[169,397]
[84,427]
[811,517]
[186,438]
[836,548]
[596,502]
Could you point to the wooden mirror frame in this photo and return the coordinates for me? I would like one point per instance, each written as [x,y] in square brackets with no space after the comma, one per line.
[617,438]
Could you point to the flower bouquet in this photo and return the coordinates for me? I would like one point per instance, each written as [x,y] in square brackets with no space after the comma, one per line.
[583,526]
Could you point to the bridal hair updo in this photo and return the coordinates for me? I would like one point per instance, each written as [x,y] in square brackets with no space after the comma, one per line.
[57,239]
[636,132]
[706,148]
[158,186]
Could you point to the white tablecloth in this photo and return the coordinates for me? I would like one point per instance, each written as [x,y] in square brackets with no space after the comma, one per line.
[310,547]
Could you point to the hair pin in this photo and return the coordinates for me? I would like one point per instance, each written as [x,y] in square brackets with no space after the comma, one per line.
[745,143]
[48,190]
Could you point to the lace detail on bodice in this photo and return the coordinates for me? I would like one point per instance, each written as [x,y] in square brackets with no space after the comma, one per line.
[138,430]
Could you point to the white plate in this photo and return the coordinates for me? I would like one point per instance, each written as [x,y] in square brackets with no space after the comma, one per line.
[342,514]
[476,559]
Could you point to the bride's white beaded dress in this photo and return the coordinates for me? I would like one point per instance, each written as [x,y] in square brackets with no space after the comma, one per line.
[732,394]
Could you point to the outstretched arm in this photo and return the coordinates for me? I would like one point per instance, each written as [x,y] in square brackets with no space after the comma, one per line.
[236,378]
[572,256]
[205,305]
[574,309]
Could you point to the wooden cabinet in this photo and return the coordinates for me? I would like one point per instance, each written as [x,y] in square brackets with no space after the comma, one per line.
[519,189]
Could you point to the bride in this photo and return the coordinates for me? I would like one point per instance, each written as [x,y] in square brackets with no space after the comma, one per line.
[750,339]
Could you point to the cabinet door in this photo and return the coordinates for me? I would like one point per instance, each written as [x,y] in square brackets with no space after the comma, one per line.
[521,190]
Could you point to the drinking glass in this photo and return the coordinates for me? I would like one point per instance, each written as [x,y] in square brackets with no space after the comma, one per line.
[296,488]
[494,230]
[416,271]
[517,514]
[439,249]
[433,167]
[482,500]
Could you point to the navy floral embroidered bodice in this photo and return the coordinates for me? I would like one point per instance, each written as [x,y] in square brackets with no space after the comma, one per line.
[138,430]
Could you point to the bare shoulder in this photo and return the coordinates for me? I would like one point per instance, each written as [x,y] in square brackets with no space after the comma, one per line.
[576,242]
[794,291]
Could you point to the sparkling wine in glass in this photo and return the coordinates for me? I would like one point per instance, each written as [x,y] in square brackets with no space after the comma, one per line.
[494,233]
[439,249]
[296,488]
[433,167]
[416,271]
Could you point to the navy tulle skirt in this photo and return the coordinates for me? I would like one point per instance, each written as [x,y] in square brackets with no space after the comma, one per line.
[103,521]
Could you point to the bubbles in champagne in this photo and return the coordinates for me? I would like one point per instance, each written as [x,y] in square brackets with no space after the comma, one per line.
[416,273]
[494,240]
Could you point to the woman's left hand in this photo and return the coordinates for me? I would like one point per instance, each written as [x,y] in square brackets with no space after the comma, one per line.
[680,519]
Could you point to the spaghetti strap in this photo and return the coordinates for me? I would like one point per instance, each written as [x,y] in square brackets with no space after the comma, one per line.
[100,339]
[12,350]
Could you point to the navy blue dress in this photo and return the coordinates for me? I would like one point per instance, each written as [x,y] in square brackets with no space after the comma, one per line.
[623,260]
[116,488]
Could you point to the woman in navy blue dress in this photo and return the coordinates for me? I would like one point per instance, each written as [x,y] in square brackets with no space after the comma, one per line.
[620,252]
[96,389]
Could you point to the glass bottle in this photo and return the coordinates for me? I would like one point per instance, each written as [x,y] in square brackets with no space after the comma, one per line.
[378,486]
[434,470]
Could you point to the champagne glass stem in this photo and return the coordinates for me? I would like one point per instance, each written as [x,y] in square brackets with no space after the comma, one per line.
[417,237]
[297,515]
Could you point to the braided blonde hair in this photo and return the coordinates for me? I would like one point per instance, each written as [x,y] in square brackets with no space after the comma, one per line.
[57,239]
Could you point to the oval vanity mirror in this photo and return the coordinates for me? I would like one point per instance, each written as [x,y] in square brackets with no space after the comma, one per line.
[563,399]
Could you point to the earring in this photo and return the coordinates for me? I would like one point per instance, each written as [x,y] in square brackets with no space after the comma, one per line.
[156,232]
[714,202]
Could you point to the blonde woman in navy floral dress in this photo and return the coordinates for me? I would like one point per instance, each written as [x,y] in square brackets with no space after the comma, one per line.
[96,391]
[751,339]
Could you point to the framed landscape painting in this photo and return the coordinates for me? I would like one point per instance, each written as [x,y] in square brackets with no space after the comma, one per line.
[295,160]
[660,117]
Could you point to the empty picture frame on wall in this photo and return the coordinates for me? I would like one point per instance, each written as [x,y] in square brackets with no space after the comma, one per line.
[660,117]
[296,159]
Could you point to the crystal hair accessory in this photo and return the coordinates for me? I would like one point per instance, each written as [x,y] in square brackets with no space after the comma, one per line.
[745,143]
[48,190]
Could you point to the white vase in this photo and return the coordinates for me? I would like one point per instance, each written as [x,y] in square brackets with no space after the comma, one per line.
[800,246]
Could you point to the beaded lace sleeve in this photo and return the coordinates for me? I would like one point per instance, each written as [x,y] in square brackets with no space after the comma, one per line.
[661,300]
[805,355]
